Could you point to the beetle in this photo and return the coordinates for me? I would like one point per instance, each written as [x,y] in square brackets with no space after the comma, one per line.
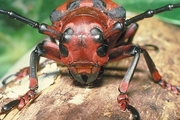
[90,33]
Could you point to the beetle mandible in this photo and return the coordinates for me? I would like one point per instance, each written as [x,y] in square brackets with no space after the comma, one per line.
[91,33]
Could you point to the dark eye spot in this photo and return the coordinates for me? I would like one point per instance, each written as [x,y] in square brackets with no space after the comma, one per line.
[63,50]
[102,50]
[67,35]
[100,4]
[97,35]
[118,12]
[74,4]
[56,15]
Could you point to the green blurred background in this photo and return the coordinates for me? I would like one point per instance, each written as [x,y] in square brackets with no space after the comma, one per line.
[17,38]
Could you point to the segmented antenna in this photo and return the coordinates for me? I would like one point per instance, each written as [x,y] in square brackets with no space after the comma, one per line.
[150,13]
[20,18]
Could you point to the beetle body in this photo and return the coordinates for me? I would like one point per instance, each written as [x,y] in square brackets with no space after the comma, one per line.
[85,35]
[85,42]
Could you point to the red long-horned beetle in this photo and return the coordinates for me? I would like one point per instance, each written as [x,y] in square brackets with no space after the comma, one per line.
[91,33]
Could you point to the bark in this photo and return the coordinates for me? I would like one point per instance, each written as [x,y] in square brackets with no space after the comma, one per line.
[66,100]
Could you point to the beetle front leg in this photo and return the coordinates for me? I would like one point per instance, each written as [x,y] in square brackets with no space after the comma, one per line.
[122,52]
[33,81]
[122,99]
[33,85]
[45,49]
[25,71]
[119,53]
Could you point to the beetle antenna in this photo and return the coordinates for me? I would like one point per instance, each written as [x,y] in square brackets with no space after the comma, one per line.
[150,13]
[20,18]
[43,28]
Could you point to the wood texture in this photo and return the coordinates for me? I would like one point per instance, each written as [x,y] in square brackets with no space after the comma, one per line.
[64,100]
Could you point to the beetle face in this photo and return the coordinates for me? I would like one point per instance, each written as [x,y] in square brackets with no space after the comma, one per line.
[83,48]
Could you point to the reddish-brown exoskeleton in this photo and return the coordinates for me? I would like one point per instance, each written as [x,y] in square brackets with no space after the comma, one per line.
[90,34]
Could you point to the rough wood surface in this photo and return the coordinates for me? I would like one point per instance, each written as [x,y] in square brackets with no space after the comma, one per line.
[65,100]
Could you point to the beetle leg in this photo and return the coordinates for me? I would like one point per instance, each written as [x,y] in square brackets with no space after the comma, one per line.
[4,81]
[6,108]
[122,99]
[156,76]
[128,34]
[46,49]
[122,52]
[25,71]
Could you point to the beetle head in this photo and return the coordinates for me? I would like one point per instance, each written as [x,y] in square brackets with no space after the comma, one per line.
[83,48]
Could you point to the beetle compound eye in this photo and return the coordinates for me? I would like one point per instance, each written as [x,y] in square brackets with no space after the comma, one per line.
[102,50]
[97,35]
[63,50]
[67,35]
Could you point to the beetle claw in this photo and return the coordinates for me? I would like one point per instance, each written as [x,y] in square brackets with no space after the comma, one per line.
[134,112]
[19,103]
[123,103]
[8,107]
[26,98]
[4,81]
[19,75]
